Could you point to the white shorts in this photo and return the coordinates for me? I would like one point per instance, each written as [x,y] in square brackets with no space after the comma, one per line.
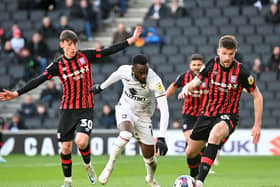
[143,131]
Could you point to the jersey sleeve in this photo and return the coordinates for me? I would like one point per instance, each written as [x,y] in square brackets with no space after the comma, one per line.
[180,80]
[204,71]
[157,86]
[51,70]
[246,79]
[94,55]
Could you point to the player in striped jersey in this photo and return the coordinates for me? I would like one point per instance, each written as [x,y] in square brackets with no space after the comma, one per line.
[76,110]
[142,87]
[219,118]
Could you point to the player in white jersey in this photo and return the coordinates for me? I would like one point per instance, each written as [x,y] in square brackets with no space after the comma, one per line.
[142,87]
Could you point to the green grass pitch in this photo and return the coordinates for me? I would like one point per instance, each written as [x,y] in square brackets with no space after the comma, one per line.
[38,171]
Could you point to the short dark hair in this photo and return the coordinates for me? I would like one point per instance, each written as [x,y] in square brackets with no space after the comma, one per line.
[68,35]
[196,56]
[228,42]
[139,59]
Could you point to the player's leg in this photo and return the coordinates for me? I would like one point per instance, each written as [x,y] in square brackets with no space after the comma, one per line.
[126,129]
[1,143]
[66,162]
[217,134]
[83,128]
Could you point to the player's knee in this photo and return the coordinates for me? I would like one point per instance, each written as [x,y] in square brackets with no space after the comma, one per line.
[81,143]
[190,153]
[150,160]
[125,135]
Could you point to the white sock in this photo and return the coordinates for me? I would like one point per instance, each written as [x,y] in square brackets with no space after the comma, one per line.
[68,179]
[151,165]
[119,144]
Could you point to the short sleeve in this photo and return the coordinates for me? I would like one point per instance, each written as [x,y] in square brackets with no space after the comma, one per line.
[246,79]
[179,82]
[157,86]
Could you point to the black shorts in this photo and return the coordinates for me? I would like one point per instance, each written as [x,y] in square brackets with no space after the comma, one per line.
[204,125]
[188,122]
[71,121]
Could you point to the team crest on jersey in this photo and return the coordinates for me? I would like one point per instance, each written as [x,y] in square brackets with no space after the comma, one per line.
[159,87]
[251,80]
[233,79]
[203,85]
[82,60]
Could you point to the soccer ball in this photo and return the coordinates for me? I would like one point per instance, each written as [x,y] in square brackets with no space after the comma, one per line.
[184,181]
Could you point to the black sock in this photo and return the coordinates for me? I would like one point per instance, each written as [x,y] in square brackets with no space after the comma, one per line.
[202,151]
[66,163]
[207,160]
[85,154]
[193,164]
[1,140]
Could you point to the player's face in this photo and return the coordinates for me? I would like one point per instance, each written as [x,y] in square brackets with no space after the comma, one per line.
[226,56]
[195,66]
[69,48]
[140,72]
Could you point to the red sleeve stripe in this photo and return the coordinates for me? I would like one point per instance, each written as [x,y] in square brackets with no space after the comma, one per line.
[207,160]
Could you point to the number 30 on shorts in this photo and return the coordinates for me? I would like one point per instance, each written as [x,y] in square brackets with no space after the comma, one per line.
[86,123]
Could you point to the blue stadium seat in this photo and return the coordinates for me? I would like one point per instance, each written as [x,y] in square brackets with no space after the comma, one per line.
[246,30]
[184,22]
[220,21]
[231,11]
[151,50]
[239,21]
[213,12]
[249,11]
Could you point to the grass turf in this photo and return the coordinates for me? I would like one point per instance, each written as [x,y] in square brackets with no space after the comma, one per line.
[38,171]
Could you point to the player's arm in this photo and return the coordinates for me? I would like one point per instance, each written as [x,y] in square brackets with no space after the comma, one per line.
[179,82]
[114,77]
[98,54]
[258,109]
[188,88]
[9,95]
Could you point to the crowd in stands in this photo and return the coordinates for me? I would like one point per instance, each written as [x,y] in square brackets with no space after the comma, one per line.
[173,30]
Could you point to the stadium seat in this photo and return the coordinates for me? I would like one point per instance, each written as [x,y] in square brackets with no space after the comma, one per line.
[167,23]
[53,44]
[239,21]
[4,16]
[228,29]
[174,31]
[246,30]
[245,49]
[169,50]
[151,50]
[37,15]
[190,31]
[256,20]
[268,76]
[33,123]
[55,15]
[120,60]
[221,21]
[267,95]
[165,68]
[274,85]
[158,59]
[77,25]
[262,49]
[231,11]
[131,51]
[210,31]
[188,50]
[108,68]
[184,22]
[223,3]
[198,40]
[16,71]
[176,59]
[12,6]
[206,4]
[202,22]
[25,25]
[150,23]
[265,29]
[197,13]
[190,4]
[272,39]
[254,39]
[180,41]
[20,16]
[249,11]
[269,123]
[28,33]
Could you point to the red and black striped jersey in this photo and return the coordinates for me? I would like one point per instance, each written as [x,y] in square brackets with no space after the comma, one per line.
[192,103]
[225,87]
[75,75]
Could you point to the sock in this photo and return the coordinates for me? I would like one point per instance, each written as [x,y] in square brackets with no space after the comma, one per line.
[85,154]
[119,144]
[202,151]
[193,164]
[66,163]
[151,166]
[1,142]
[207,160]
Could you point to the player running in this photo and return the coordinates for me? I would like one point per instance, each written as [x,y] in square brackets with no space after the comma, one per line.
[76,109]
[219,117]
[142,87]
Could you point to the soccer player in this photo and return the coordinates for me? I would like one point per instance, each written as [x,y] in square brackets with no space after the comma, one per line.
[192,103]
[2,122]
[142,87]
[219,117]
[76,109]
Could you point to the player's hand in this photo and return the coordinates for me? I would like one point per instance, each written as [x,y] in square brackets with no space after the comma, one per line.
[136,35]
[256,133]
[8,95]
[185,91]
[161,147]
[96,89]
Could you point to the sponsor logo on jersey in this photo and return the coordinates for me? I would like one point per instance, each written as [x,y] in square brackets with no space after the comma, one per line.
[251,80]
[224,87]
[76,73]
[134,97]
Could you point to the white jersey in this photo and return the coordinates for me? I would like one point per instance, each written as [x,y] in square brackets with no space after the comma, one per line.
[139,97]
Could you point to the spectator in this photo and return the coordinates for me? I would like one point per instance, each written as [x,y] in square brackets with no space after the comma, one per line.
[85,12]
[121,34]
[152,37]
[274,61]
[258,67]
[273,15]
[107,118]
[8,56]
[39,50]
[63,24]
[50,93]
[177,11]
[176,124]
[17,41]
[17,123]
[41,112]
[29,63]
[47,29]
[28,108]
[2,37]
[103,8]
[70,9]
[157,10]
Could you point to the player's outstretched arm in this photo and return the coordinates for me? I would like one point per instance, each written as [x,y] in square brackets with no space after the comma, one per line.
[258,107]
[8,95]
[135,36]
[171,90]
[188,88]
